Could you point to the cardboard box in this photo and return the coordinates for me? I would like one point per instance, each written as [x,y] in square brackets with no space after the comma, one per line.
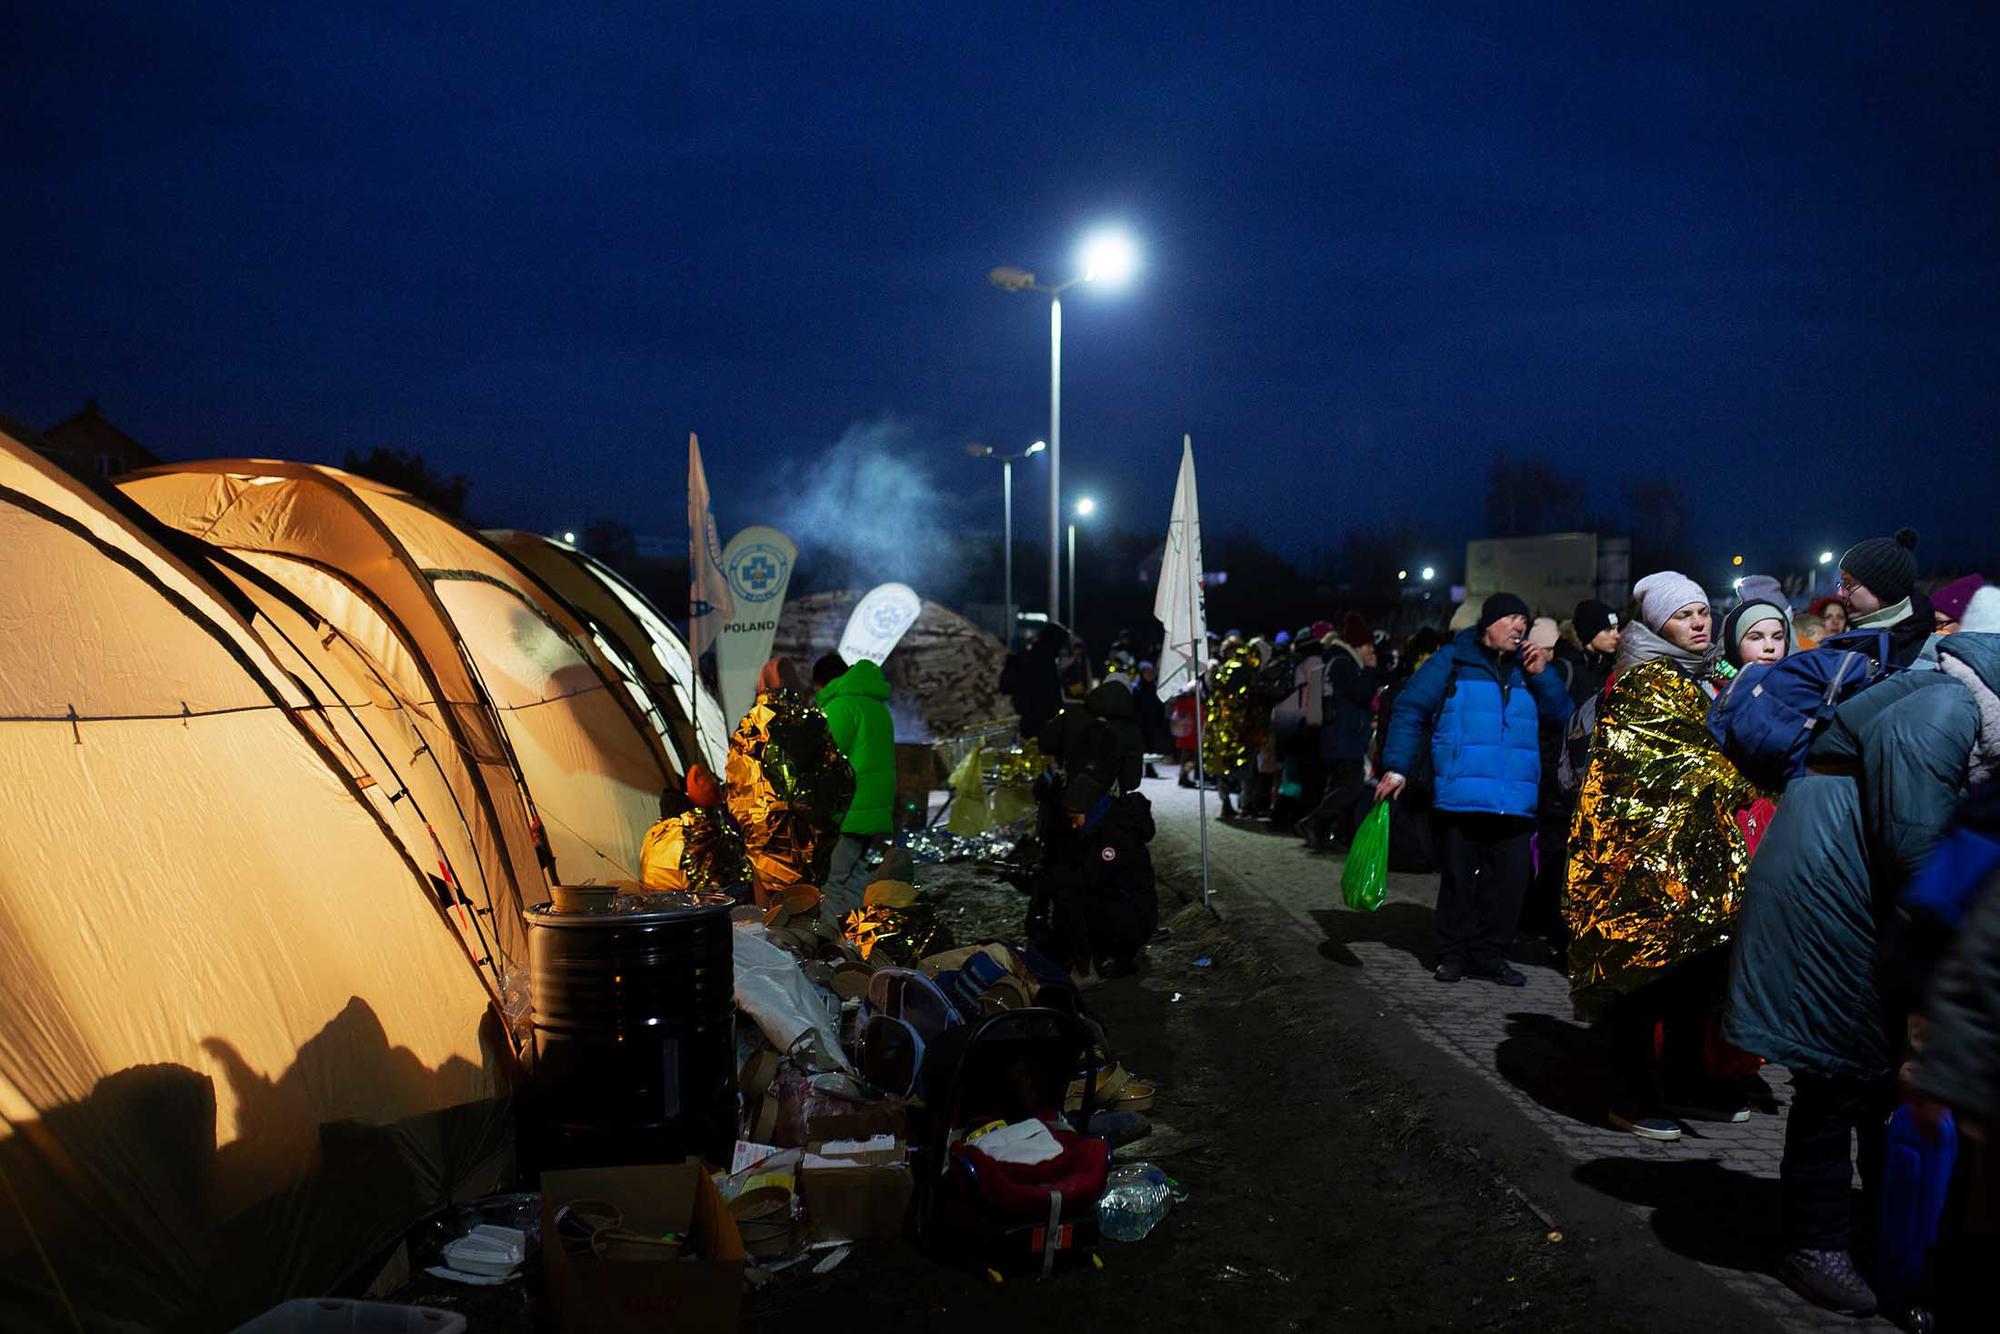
[696,1295]
[855,1193]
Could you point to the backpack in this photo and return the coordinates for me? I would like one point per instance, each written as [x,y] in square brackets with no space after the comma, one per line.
[1574,761]
[1768,718]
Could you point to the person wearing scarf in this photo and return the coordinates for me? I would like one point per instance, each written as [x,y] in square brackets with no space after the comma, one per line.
[1657,862]
[1878,586]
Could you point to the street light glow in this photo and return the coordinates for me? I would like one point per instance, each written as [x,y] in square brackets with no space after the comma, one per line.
[1402,574]
[1085,507]
[1826,558]
[1038,447]
[1109,258]
[1429,574]
[569,537]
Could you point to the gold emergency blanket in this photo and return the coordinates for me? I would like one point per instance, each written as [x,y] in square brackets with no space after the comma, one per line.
[1657,860]
[699,849]
[786,787]
[1237,723]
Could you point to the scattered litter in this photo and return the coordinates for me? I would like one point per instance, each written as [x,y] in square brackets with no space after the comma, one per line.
[1204,961]
[487,1256]
[1136,1197]
[1177,995]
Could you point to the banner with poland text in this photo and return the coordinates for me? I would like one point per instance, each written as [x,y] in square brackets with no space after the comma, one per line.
[758,565]
[708,591]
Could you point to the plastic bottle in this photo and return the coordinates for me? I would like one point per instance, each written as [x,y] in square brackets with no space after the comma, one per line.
[1136,1198]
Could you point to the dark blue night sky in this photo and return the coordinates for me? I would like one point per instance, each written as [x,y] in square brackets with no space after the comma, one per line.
[1752,246]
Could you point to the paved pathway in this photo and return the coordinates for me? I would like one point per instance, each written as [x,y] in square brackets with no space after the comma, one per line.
[1712,1197]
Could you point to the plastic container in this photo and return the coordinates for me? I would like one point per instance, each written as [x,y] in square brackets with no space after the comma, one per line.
[332,1315]
[1136,1197]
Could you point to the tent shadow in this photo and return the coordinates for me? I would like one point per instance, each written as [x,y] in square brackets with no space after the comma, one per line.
[148,1218]
[1701,1209]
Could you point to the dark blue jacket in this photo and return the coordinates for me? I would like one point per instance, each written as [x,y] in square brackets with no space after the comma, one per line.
[1485,729]
[1806,976]
[1346,708]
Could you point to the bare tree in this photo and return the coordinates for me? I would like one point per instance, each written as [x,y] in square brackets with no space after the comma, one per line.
[1525,496]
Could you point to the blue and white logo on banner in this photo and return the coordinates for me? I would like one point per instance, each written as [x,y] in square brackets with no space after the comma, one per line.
[758,571]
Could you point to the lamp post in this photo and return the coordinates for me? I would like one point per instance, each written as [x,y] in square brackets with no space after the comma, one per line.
[1109,259]
[1084,509]
[1006,462]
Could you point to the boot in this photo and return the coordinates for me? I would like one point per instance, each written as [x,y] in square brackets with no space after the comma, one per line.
[1829,1280]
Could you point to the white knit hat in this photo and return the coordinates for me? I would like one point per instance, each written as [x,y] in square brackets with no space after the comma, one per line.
[1661,595]
[1982,614]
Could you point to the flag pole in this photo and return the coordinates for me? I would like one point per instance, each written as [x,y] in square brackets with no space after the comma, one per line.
[1200,776]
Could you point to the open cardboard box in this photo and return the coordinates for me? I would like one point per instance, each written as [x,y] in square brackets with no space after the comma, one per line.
[692,1295]
[854,1193]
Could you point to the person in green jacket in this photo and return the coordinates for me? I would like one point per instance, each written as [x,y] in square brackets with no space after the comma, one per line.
[856,703]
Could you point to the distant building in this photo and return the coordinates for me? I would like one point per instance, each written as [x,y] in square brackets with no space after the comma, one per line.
[87,445]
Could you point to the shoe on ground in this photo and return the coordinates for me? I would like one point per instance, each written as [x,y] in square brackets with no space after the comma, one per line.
[1309,830]
[1646,1125]
[1722,1105]
[1829,1280]
[1505,975]
[1449,971]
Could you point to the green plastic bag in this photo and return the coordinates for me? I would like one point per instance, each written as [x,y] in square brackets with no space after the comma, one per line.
[1364,881]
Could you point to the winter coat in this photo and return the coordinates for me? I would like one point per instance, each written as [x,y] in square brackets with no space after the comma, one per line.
[1583,671]
[1484,719]
[1960,1064]
[1097,745]
[1847,840]
[857,713]
[1150,711]
[1347,712]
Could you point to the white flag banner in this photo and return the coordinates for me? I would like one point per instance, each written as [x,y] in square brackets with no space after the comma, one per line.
[708,591]
[1177,602]
[878,623]
[758,564]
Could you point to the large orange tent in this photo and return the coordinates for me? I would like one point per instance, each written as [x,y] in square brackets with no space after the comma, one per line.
[535,703]
[238,1046]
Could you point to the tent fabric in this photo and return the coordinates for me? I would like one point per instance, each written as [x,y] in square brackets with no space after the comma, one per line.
[330,552]
[238,1046]
[513,668]
[642,636]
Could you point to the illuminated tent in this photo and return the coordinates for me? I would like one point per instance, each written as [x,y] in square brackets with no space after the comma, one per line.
[621,614]
[465,635]
[239,1047]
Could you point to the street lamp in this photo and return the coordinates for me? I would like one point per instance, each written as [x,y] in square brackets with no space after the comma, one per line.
[1085,507]
[1109,259]
[1430,573]
[1006,462]
[570,538]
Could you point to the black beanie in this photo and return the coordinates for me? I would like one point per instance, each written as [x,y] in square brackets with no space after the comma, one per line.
[1591,619]
[1885,566]
[1501,605]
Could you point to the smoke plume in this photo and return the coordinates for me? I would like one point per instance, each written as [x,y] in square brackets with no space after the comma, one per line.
[869,510]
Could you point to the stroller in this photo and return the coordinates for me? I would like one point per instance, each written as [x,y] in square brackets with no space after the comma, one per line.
[1009,1218]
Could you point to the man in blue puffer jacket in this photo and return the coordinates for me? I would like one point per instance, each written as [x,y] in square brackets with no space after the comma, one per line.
[1481,700]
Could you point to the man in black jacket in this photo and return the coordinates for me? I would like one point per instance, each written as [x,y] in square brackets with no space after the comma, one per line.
[1032,681]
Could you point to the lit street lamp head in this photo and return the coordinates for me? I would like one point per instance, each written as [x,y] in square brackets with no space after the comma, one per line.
[1109,258]
[1038,447]
[1085,508]
[978,451]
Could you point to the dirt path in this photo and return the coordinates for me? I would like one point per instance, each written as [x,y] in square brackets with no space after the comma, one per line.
[1341,1171]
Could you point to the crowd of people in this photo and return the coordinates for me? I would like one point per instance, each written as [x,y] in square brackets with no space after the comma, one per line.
[1750,832]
